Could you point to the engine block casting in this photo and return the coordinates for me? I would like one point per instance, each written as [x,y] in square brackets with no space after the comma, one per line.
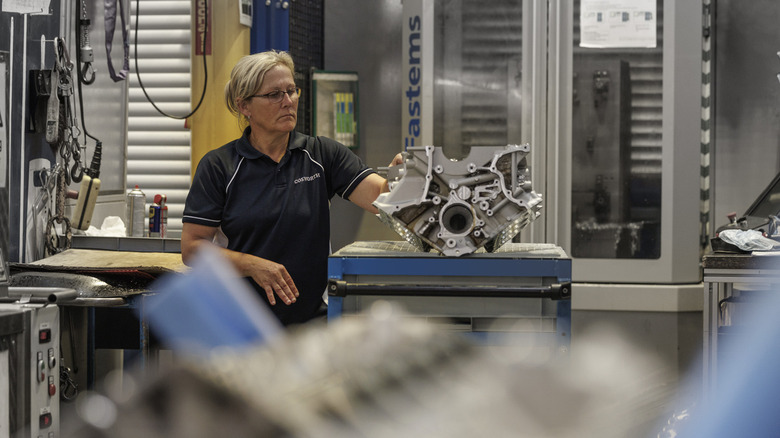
[457,207]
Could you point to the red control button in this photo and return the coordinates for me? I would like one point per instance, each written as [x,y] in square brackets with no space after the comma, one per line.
[45,420]
[44,336]
[52,386]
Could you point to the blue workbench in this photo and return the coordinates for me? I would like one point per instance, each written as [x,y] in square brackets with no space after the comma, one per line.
[520,290]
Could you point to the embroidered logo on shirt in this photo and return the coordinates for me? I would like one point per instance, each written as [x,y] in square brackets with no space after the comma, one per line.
[307,178]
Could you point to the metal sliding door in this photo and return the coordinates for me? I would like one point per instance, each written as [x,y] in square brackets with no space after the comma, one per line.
[613,119]
[627,117]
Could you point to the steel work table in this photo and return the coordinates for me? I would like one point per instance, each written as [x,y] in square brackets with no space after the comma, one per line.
[111,287]
[721,272]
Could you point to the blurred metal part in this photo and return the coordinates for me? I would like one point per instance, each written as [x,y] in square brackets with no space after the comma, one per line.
[382,374]
[457,207]
[181,405]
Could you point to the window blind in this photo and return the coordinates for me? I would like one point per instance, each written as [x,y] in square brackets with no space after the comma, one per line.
[158,147]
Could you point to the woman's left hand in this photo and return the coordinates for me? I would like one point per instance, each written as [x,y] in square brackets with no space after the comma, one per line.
[398,159]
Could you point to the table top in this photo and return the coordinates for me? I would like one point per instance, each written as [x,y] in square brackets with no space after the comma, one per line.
[97,274]
[763,261]
[402,248]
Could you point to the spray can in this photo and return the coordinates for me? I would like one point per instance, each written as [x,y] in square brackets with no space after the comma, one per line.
[155,219]
[162,200]
[135,212]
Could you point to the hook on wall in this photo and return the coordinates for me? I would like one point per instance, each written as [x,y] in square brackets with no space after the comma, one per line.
[778,75]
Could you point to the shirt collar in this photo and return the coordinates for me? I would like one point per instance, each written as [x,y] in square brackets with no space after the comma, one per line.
[297,141]
[245,149]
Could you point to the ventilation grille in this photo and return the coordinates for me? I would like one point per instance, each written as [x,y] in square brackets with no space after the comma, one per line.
[306,49]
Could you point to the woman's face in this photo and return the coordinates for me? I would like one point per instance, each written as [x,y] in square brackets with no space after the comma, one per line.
[273,118]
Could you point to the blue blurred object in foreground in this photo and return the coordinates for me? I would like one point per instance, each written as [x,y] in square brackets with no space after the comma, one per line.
[209,306]
[746,402]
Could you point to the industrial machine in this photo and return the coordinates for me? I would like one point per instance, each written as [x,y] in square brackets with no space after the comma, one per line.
[459,206]
[29,351]
[30,370]
[762,213]
[611,129]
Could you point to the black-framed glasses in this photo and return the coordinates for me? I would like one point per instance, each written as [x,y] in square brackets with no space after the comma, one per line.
[278,95]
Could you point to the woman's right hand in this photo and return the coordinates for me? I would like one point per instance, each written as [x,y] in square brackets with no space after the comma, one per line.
[273,278]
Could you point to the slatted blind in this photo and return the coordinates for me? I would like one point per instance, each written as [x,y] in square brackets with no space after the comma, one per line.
[158,147]
[492,39]
[646,74]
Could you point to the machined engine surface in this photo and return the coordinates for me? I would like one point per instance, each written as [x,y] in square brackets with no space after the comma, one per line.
[457,207]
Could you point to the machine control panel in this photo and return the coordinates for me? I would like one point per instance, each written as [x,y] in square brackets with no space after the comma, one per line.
[39,344]
[44,400]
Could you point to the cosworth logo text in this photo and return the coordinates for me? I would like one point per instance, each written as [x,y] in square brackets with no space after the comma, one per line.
[307,178]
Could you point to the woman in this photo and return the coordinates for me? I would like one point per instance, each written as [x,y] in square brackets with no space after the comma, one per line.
[266,195]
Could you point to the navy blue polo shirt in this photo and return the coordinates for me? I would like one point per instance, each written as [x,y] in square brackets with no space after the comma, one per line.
[277,211]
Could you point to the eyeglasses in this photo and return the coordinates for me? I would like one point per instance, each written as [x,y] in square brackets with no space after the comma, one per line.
[278,95]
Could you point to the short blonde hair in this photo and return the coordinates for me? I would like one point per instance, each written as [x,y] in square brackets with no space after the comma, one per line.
[248,75]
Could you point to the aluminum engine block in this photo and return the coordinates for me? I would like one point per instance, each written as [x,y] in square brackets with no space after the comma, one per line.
[457,207]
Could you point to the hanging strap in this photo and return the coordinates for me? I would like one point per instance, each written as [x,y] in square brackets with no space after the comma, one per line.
[110,24]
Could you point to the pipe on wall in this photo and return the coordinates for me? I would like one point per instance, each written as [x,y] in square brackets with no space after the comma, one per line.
[212,125]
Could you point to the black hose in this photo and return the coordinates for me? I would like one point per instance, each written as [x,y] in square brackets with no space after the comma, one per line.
[138,73]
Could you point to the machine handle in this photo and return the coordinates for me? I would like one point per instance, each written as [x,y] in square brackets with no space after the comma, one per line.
[341,288]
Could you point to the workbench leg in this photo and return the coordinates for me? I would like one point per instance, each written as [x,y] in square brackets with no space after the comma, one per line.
[335,307]
[563,326]
[712,296]
[90,348]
